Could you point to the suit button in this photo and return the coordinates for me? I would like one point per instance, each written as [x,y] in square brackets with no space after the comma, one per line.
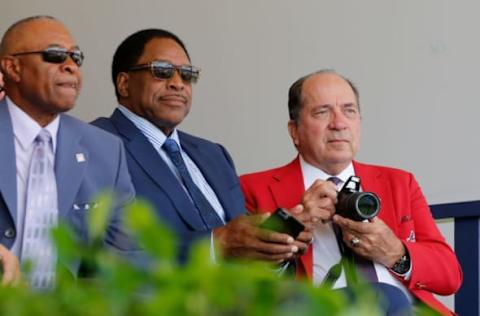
[419,285]
[9,233]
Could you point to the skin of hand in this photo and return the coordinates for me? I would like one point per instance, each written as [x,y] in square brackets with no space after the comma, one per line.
[377,241]
[243,238]
[318,203]
[10,267]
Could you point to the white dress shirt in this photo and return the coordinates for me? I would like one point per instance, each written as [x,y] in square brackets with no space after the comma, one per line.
[25,129]
[325,247]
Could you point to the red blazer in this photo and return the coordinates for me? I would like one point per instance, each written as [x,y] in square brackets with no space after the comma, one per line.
[435,268]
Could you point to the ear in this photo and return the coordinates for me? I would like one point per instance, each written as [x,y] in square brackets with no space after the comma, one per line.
[293,131]
[122,84]
[11,68]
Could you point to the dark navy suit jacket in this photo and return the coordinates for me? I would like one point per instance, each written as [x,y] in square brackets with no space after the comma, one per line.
[155,182]
[88,161]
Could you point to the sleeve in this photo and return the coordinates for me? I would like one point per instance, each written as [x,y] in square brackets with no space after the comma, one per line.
[435,267]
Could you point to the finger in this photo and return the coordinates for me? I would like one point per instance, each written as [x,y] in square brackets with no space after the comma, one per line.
[274,258]
[276,249]
[351,225]
[305,237]
[271,236]
[10,270]
[296,210]
[302,246]
[323,189]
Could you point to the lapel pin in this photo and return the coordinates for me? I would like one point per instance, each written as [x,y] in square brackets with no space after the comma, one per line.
[80,157]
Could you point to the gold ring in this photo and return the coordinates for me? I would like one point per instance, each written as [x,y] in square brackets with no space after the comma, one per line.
[354,241]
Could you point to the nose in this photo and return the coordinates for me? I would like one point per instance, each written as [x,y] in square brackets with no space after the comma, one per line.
[176,82]
[70,66]
[337,119]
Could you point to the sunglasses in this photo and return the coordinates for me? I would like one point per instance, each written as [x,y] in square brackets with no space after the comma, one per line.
[58,55]
[165,70]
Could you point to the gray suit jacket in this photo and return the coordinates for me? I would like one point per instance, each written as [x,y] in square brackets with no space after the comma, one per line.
[78,182]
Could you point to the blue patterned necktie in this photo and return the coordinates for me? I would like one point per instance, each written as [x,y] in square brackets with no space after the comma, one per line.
[41,214]
[208,215]
[364,266]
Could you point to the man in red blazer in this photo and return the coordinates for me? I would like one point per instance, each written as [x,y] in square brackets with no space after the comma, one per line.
[403,242]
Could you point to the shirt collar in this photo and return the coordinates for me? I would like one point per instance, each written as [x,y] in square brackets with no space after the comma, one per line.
[25,129]
[150,130]
[312,173]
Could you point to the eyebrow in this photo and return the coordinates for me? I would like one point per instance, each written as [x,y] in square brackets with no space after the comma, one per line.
[61,46]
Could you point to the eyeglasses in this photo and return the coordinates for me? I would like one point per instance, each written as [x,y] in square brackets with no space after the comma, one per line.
[58,55]
[165,70]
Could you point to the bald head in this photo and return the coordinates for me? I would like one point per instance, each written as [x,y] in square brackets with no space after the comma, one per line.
[10,42]
[41,86]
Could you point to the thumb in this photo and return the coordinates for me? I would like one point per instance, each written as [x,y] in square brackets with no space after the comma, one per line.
[296,209]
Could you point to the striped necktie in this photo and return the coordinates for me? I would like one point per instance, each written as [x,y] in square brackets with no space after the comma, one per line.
[41,214]
[208,215]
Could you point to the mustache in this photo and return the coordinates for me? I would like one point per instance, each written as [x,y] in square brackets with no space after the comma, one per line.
[175,96]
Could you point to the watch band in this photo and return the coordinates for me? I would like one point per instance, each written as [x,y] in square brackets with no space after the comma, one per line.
[402,265]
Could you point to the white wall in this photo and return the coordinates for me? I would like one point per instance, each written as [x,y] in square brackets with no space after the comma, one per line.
[415,63]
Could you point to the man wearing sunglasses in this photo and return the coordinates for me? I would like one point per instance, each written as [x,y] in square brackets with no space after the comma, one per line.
[52,164]
[191,181]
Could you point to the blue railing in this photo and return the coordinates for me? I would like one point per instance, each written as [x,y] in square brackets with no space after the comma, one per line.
[467,235]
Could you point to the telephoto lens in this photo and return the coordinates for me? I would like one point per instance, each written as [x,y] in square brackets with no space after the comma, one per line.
[356,205]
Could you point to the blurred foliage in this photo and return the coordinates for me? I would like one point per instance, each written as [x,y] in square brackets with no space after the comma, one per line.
[199,287]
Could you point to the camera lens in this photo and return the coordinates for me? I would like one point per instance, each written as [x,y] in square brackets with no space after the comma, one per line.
[368,205]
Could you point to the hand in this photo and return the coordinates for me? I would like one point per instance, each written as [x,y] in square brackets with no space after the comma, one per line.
[377,242]
[305,238]
[10,267]
[242,238]
[319,203]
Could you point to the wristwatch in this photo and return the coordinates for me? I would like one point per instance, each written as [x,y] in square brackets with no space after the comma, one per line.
[402,265]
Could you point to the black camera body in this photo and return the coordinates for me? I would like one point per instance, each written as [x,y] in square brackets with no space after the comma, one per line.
[283,222]
[354,204]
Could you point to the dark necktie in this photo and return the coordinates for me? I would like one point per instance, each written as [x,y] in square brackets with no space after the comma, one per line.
[349,258]
[41,214]
[209,217]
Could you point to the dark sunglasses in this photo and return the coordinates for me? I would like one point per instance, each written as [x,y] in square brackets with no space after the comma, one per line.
[165,70]
[58,55]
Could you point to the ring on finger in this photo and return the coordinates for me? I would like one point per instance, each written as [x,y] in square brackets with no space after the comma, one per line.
[354,241]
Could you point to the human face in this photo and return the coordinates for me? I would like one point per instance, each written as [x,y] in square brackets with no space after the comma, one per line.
[43,89]
[327,133]
[164,102]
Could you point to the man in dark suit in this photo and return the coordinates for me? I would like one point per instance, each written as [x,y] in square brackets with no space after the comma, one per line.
[196,192]
[53,165]
[407,249]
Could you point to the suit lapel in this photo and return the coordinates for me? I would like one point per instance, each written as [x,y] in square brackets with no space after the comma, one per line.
[287,188]
[372,180]
[210,171]
[68,171]
[8,167]
[142,151]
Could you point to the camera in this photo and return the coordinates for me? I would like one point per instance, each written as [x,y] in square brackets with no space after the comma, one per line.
[354,204]
[283,222]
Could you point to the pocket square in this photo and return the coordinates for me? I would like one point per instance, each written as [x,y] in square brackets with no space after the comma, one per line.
[84,206]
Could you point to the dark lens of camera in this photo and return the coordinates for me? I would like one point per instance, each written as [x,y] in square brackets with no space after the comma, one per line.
[368,205]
